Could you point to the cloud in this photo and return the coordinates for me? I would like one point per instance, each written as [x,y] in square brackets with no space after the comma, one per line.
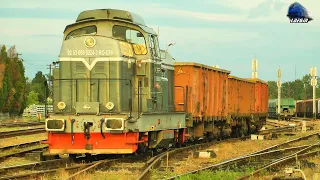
[265,8]
[33,26]
[203,36]
[243,4]
[47,13]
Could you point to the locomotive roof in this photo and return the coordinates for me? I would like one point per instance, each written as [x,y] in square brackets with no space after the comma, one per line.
[114,14]
[241,79]
[200,65]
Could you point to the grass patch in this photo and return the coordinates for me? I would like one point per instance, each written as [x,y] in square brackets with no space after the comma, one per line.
[229,174]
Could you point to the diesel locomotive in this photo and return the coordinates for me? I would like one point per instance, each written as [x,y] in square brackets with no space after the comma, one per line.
[116,92]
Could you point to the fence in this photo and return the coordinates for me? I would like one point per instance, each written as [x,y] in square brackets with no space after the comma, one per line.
[35,110]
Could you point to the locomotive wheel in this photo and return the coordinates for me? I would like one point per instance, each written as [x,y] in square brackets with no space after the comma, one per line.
[141,148]
[72,157]
[178,145]
[89,158]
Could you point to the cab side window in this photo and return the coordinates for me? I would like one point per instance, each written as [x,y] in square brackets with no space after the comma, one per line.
[134,37]
[154,46]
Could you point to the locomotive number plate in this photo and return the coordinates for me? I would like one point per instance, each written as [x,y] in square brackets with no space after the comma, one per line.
[90,52]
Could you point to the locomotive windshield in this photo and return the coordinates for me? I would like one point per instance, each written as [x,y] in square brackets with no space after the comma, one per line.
[131,36]
[82,31]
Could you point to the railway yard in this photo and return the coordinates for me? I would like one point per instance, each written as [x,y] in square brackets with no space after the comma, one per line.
[115,105]
[284,144]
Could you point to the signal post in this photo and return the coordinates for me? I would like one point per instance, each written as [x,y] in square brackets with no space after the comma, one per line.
[279,91]
[313,73]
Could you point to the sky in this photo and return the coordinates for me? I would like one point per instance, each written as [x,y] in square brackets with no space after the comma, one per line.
[227,33]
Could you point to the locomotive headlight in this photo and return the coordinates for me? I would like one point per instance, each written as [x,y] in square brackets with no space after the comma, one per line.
[61,105]
[109,106]
[90,42]
[55,124]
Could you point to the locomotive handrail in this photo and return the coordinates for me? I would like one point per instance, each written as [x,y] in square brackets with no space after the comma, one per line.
[99,79]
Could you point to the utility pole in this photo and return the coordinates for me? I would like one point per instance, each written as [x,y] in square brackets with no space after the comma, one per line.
[279,91]
[313,73]
[47,87]
[254,68]
[305,100]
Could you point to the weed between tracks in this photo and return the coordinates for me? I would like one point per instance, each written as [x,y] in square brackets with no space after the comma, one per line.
[228,174]
[122,174]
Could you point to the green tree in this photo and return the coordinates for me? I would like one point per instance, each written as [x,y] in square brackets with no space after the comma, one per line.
[32,98]
[273,89]
[37,85]
[12,93]
[306,79]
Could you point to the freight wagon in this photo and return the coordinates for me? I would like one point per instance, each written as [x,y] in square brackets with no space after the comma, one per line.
[247,104]
[116,92]
[304,108]
[287,108]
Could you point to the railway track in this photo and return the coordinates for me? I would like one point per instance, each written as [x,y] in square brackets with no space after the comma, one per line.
[274,151]
[286,159]
[22,151]
[20,124]
[52,167]
[30,143]
[155,162]
[274,123]
[278,130]
[57,165]
[14,133]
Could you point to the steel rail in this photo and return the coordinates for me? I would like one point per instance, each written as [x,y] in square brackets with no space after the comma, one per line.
[278,129]
[21,144]
[29,149]
[34,166]
[50,171]
[7,134]
[20,124]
